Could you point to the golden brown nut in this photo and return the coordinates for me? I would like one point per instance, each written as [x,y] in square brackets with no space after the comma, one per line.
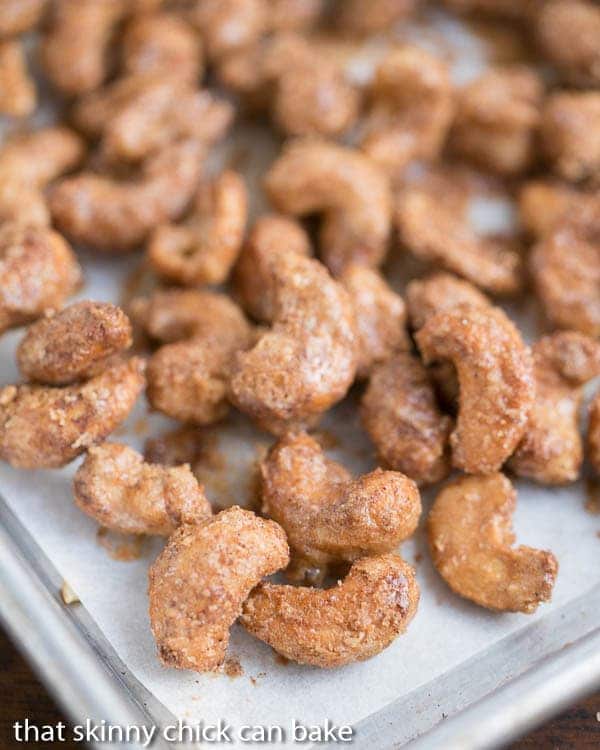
[545,203]
[497,117]
[347,187]
[568,34]
[439,292]
[411,109]
[116,487]
[203,249]
[401,416]
[470,538]
[571,134]
[38,271]
[292,15]
[307,361]
[74,49]
[162,44]
[495,375]
[566,271]
[18,16]
[514,10]
[328,516]
[350,622]
[45,427]
[437,230]
[117,216]
[201,579]
[380,317]
[18,96]
[23,205]
[228,25]
[370,16]
[74,344]
[593,434]
[551,452]
[271,234]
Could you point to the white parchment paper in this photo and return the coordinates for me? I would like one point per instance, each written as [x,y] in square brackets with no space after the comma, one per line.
[446,631]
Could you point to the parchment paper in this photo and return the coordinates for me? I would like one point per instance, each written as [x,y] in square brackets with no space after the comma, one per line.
[446,631]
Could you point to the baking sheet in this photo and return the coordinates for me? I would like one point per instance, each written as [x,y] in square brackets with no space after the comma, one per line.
[446,632]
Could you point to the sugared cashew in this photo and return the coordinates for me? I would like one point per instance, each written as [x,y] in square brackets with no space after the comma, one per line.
[496,384]
[515,10]
[307,361]
[411,109]
[201,579]
[18,96]
[370,16]
[270,234]
[116,487]
[566,271]
[203,249]
[292,15]
[74,344]
[38,271]
[328,516]
[115,216]
[46,427]
[551,451]
[18,16]
[571,134]
[343,184]
[470,538]
[400,413]
[74,48]
[139,114]
[436,228]
[23,205]
[545,203]
[593,434]
[439,292]
[350,622]
[497,118]
[380,317]
[568,34]
[228,25]
[162,44]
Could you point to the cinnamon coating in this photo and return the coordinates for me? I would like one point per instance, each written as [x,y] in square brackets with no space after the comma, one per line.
[117,488]
[425,297]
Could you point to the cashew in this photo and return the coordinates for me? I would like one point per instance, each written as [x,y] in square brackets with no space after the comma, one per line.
[437,293]
[350,622]
[45,427]
[593,434]
[307,361]
[495,375]
[401,416]
[411,110]
[293,15]
[116,216]
[38,271]
[566,271]
[312,176]
[497,117]
[545,203]
[380,317]
[201,579]
[370,16]
[18,16]
[23,205]
[551,451]
[74,344]
[18,96]
[568,34]
[470,539]
[571,134]
[203,249]
[271,234]
[228,25]
[116,487]
[328,516]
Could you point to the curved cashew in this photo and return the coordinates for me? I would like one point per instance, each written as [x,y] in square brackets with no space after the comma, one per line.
[437,293]
[543,204]
[495,375]
[350,622]
[316,176]
[327,515]
[117,216]
[74,344]
[203,249]
[551,450]
[400,413]
[411,110]
[45,427]
[38,271]
[18,96]
[19,16]
[116,487]
[470,538]
[307,361]
[201,579]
